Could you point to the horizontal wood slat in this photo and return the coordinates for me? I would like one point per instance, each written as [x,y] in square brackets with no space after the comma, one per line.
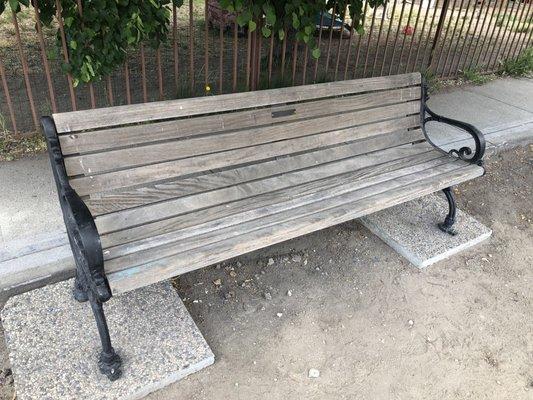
[138,113]
[171,169]
[108,139]
[149,154]
[332,213]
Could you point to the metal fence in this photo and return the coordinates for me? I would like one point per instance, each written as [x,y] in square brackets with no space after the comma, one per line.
[203,56]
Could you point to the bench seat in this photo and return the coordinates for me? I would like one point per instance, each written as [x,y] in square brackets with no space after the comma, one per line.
[206,236]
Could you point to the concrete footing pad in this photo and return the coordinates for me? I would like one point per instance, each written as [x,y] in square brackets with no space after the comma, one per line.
[411,229]
[53,343]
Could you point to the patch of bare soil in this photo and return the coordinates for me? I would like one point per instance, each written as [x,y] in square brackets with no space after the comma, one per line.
[342,302]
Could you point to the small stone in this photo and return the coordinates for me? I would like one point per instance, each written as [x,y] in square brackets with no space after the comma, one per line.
[239,264]
[289,293]
[217,282]
[267,296]
[229,294]
[270,261]
[297,258]
[313,373]
[279,315]
[233,274]
[411,322]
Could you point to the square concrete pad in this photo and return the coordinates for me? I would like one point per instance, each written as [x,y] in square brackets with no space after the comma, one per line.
[54,345]
[411,229]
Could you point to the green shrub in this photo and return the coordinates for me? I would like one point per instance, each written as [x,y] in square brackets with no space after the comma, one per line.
[520,66]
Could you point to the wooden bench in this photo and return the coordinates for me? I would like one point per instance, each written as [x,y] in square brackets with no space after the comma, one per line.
[151,191]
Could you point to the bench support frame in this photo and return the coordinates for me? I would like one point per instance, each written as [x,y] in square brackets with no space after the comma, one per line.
[91,283]
[447,225]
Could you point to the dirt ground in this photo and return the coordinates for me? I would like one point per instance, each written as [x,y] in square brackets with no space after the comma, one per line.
[342,302]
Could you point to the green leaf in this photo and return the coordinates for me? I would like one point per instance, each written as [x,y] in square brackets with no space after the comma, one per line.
[266,31]
[281,34]
[316,53]
[252,26]
[14,5]
[73,45]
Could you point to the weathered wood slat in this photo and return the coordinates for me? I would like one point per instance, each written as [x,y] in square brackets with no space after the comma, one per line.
[180,222]
[171,169]
[298,183]
[165,268]
[149,154]
[156,246]
[138,113]
[103,203]
[108,139]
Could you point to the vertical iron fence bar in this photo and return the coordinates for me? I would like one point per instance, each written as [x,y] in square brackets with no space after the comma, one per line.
[374,64]
[469,27]
[143,75]
[527,42]
[387,37]
[110,96]
[359,40]
[515,28]
[481,32]
[25,71]
[497,44]
[330,38]
[258,55]
[127,81]
[270,58]
[221,55]
[315,72]
[438,32]
[191,48]
[46,65]
[8,98]
[175,47]
[206,47]
[397,35]
[159,73]
[409,53]
[444,68]
[369,40]
[248,58]
[349,51]
[235,54]
[421,35]
[433,42]
[339,45]
[404,39]
[494,29]
[252,59]
[445,38]
[91,86]
[283,53]
[520,42]
[494,12]
[306,54]
[506,41]
[294,58]
[65,54]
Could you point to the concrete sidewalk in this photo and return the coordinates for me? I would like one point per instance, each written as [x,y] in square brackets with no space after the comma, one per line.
[502,109]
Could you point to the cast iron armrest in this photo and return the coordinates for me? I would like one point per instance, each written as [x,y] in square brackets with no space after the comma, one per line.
[81,229]
[464,153]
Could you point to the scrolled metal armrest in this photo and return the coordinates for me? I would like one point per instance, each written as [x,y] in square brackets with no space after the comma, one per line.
[464,152]
[81,229]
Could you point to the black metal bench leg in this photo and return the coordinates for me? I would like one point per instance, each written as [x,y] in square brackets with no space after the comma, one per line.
[79,292]
[109,362]
[447,225]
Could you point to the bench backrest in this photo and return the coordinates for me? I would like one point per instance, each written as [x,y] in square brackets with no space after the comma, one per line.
[133,163]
